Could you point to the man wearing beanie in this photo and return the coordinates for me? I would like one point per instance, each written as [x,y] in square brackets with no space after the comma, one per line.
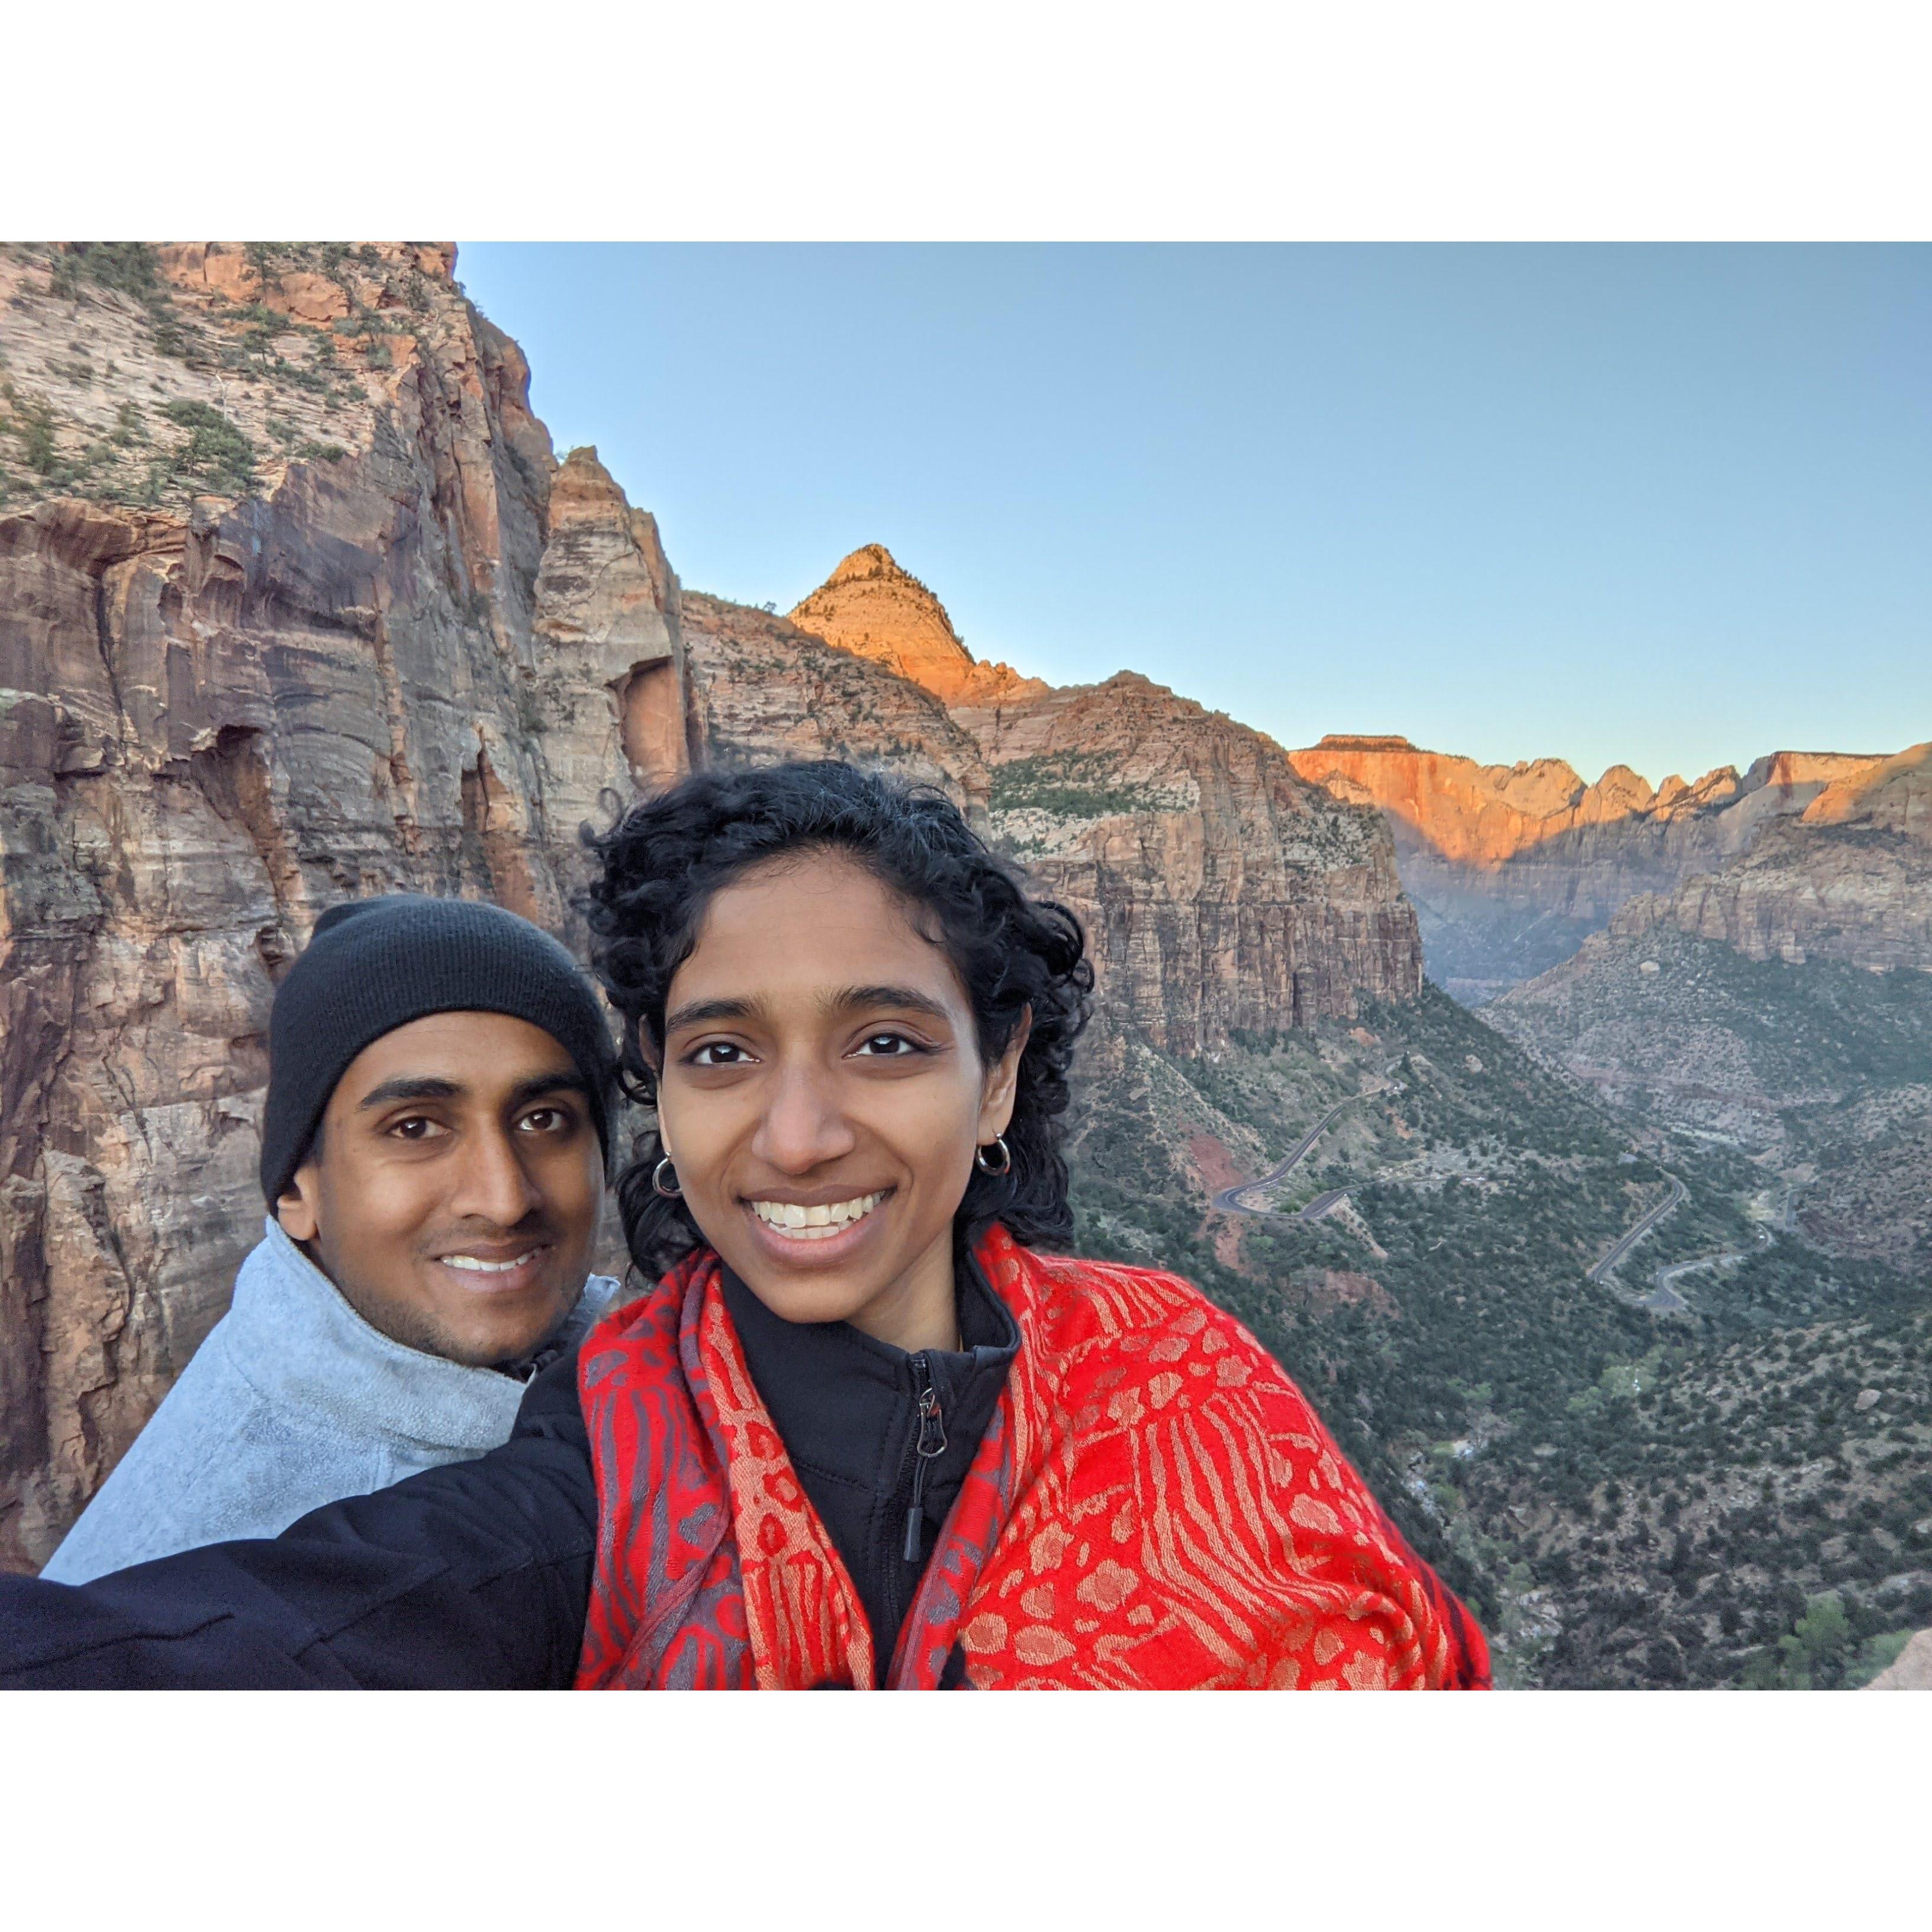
[434,1151]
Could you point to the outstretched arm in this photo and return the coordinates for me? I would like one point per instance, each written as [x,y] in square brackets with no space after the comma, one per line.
[472,1577]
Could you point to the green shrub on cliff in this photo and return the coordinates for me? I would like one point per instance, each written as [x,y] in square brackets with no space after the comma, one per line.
[217,453]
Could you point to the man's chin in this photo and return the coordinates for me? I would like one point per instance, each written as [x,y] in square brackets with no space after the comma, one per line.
[514,1335]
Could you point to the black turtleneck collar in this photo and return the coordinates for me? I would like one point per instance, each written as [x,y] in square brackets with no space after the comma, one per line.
[848,1409]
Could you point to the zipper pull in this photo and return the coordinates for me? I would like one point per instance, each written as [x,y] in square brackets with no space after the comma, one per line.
[931,1441]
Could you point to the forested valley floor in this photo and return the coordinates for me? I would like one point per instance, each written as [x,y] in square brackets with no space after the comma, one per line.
[1715,1478]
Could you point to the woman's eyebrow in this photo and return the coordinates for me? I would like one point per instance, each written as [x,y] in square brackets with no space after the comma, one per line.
[708,1012]
[907,999]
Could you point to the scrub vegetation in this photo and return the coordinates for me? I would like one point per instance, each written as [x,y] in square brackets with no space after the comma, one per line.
[1723,1486]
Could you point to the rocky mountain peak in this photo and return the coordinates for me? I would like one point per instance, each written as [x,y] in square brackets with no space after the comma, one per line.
[1893,795]
[875,560]
[874,608]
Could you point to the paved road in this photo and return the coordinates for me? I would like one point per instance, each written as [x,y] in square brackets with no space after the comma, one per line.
[1321,1204]
[1635,1233]
[1229,1199]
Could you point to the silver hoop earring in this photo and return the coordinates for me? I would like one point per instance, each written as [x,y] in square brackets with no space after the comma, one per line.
[673,1191]
[985,1166]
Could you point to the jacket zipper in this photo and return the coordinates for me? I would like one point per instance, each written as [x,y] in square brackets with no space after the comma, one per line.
[930,1442]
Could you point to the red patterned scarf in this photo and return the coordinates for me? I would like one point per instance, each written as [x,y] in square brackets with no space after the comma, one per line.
[1153,1506]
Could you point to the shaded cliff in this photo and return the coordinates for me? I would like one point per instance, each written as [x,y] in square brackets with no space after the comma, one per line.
[1512,867]
[295,606]
[1849,878]
[763,689]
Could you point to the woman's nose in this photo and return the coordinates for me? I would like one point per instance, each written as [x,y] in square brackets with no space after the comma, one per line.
[804,1126]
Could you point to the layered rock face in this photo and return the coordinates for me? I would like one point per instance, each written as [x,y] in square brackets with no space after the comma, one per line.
[871,607]
[1849,878]
[328,622]
[762,690]
[1220,891]
[1512,866]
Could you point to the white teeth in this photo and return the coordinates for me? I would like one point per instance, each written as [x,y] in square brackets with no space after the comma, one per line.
[470,1264]
[814,1224]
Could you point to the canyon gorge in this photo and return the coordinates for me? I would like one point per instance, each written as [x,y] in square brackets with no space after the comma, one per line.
[299,603]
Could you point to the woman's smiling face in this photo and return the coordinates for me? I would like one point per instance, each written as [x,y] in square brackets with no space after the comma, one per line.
[822,1096]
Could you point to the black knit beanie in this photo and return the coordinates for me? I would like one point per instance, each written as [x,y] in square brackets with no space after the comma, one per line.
[375,964]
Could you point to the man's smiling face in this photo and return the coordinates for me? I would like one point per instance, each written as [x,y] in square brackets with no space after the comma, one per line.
[454,1191]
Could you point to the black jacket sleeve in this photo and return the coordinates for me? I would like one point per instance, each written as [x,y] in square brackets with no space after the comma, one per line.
[473,1577]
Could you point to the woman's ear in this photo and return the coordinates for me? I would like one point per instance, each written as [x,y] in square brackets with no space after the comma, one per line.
[1003,1081]
[295,1209]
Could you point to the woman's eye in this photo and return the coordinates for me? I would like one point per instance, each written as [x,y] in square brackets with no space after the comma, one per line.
[888,1045]
[545,1119]
[719,1053]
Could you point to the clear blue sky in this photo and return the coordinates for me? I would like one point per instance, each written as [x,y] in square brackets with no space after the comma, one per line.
[1669,507]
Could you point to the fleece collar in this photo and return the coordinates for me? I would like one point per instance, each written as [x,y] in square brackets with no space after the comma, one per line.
[291,1335]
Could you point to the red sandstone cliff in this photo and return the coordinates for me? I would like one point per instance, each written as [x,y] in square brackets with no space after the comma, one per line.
[1849,879]
[871,607]
[1512,866]
[325,620]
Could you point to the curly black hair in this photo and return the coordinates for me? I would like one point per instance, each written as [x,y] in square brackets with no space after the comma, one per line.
[665,858]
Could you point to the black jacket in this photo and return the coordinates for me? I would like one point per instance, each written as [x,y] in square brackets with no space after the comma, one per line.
[476,1575]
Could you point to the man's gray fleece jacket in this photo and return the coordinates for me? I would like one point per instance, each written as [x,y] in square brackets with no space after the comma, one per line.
[292,1401]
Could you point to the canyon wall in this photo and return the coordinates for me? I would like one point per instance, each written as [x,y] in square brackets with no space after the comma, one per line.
[1512,867]
[295,606]
[1849,878]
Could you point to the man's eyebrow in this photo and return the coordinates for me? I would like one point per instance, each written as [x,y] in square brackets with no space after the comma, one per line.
[411,1086]
[908,999]
[707,1012]
[569,1081]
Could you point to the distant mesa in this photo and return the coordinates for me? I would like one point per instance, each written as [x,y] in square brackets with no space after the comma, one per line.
[1512,867]
[872,607]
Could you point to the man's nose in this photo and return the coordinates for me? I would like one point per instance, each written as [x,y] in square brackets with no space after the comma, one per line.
[492,1185]
[804,1126]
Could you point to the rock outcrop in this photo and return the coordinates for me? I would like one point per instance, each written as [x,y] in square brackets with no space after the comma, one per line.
[328,622]
[1221,893]
[1511,867]
[1911,1669]
[871,607]
[1849,878]
[762,689]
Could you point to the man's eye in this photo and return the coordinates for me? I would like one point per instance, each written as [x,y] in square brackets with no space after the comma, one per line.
[888,1045]
[719,1053]
[545,1119]
[417,1127]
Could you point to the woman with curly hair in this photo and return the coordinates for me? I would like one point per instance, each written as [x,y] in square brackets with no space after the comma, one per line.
[867,1430]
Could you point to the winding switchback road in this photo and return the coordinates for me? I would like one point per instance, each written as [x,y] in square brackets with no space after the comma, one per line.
[1229,1201]
[1638,1230]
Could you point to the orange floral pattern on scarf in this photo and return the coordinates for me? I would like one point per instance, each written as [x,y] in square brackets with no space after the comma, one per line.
[1154,1505]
